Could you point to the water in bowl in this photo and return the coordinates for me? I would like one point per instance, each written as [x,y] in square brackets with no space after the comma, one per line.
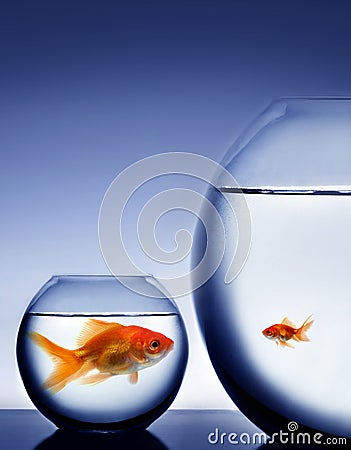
[298,264]
[114,403]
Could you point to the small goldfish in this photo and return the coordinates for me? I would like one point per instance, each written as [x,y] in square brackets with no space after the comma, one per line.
[283,332]
[109,347]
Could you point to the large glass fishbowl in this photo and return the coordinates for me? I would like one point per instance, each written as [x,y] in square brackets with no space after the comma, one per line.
[278,333]
[95,355]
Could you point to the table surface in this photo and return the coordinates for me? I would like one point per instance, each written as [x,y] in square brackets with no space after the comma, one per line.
[27,429]
[177,429]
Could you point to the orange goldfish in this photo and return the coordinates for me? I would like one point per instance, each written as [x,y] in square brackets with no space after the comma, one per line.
[283,332]
[109,347]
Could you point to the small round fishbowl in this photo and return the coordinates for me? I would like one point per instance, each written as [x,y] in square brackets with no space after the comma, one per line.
[95,355]
[278,332]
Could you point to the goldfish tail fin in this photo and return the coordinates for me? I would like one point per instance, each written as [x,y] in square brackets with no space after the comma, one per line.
[67,364]
[301,332]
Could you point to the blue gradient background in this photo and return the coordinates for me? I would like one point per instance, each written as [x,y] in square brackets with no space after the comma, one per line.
[87,88]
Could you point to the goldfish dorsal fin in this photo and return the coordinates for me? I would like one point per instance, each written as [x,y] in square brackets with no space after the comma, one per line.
[288,322]
[91,328]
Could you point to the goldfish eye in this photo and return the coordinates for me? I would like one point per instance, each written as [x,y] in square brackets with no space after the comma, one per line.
[268,333]
[154,344]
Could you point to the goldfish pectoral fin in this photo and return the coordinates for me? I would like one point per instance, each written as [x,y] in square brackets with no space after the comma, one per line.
[92,327]
[138,359]
[133,378]
[95,378]
[288,322]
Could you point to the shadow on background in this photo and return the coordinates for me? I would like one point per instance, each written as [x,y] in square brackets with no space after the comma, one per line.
[67,440]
